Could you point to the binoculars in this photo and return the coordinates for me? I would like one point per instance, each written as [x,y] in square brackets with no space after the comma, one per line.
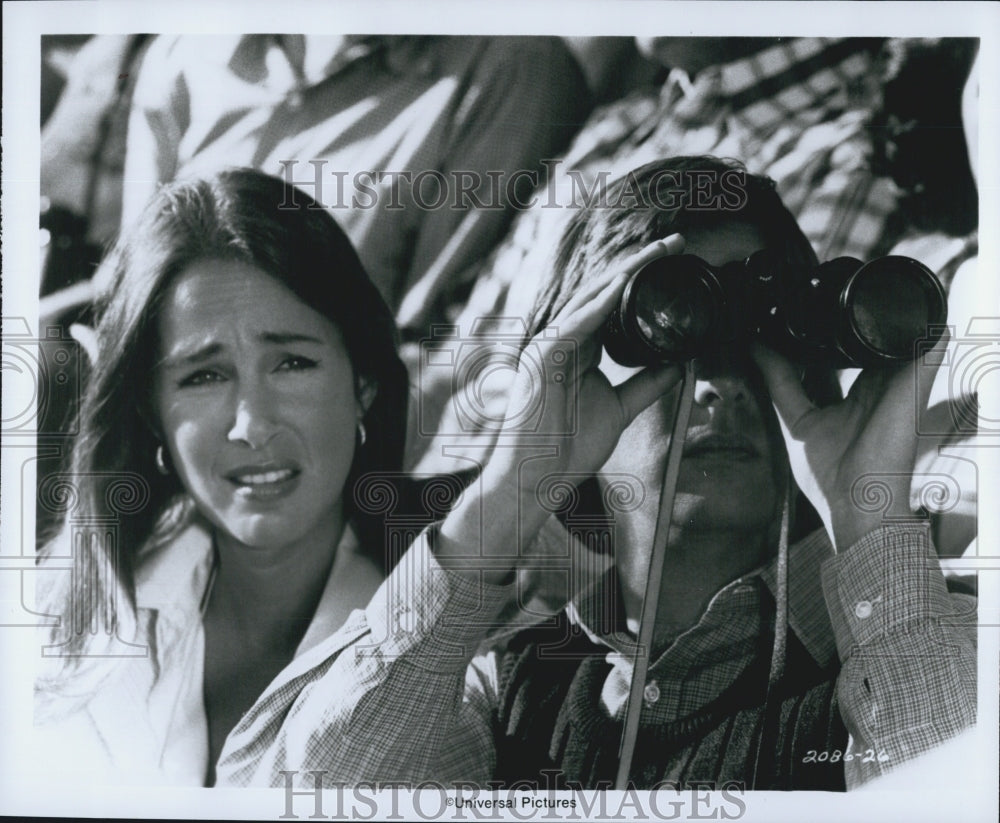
[839,314]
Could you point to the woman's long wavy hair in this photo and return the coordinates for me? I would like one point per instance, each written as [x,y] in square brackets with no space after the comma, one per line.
[235,215]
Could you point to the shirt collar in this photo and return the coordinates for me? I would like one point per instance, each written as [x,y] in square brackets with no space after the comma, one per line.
[316,57]
[313,58]
[175,575]
[353,580]
[599,614]
[807,613]
[741,83]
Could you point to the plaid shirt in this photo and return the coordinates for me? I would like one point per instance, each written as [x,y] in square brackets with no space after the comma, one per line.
[796,112]
[734,629]
[407,689]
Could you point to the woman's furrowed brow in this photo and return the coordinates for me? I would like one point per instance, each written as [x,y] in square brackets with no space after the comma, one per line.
[183,357]
[190,357]
[284,338]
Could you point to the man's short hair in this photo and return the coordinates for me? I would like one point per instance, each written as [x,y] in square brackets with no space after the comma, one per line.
[676,194]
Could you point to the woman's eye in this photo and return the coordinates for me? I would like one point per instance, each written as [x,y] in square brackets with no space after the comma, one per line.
[297,363]
[201,377]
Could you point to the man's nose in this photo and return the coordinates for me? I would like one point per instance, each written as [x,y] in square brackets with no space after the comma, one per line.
[253,417]
[723,377]
[722,390]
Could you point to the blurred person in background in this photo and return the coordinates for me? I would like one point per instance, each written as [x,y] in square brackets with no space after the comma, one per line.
[345,108]
[926,139]
[794,109]
[82,157]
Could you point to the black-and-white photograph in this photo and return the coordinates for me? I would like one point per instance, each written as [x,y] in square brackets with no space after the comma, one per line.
[421,413]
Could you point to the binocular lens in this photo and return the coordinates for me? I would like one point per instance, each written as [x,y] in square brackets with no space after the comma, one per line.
[890,303]
[675,314]
[837,314]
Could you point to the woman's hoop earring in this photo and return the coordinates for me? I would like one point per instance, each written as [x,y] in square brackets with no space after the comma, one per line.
[161,461]
[362,434]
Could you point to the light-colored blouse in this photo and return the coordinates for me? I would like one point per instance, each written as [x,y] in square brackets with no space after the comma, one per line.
[146,723]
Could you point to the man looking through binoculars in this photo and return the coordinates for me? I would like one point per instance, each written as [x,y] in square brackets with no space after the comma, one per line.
[782,656]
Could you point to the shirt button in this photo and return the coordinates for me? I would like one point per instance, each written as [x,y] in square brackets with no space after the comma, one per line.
[652,692]
[863,610]
[405,619]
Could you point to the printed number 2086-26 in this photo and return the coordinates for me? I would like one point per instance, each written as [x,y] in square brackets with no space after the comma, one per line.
[867,756]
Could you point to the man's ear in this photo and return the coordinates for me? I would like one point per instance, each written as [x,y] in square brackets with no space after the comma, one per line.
[367,390]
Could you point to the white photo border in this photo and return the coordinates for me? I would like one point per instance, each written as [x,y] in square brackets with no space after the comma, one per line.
[960,782]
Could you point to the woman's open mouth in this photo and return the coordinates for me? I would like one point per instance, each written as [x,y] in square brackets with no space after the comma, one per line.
[263,482]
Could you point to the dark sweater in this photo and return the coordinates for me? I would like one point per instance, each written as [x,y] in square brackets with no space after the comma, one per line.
[551,727]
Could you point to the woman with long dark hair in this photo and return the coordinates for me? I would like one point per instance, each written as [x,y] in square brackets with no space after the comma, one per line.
[246,376]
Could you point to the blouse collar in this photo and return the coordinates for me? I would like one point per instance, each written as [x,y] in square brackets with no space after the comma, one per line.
[175,576]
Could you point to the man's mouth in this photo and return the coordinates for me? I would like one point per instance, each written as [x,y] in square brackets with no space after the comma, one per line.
[732,446]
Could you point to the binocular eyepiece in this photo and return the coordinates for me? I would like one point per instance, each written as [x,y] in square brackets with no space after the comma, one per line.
[838,314]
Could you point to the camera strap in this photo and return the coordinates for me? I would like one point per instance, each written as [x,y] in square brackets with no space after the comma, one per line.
[657,559]
[651,597]
[779,649]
